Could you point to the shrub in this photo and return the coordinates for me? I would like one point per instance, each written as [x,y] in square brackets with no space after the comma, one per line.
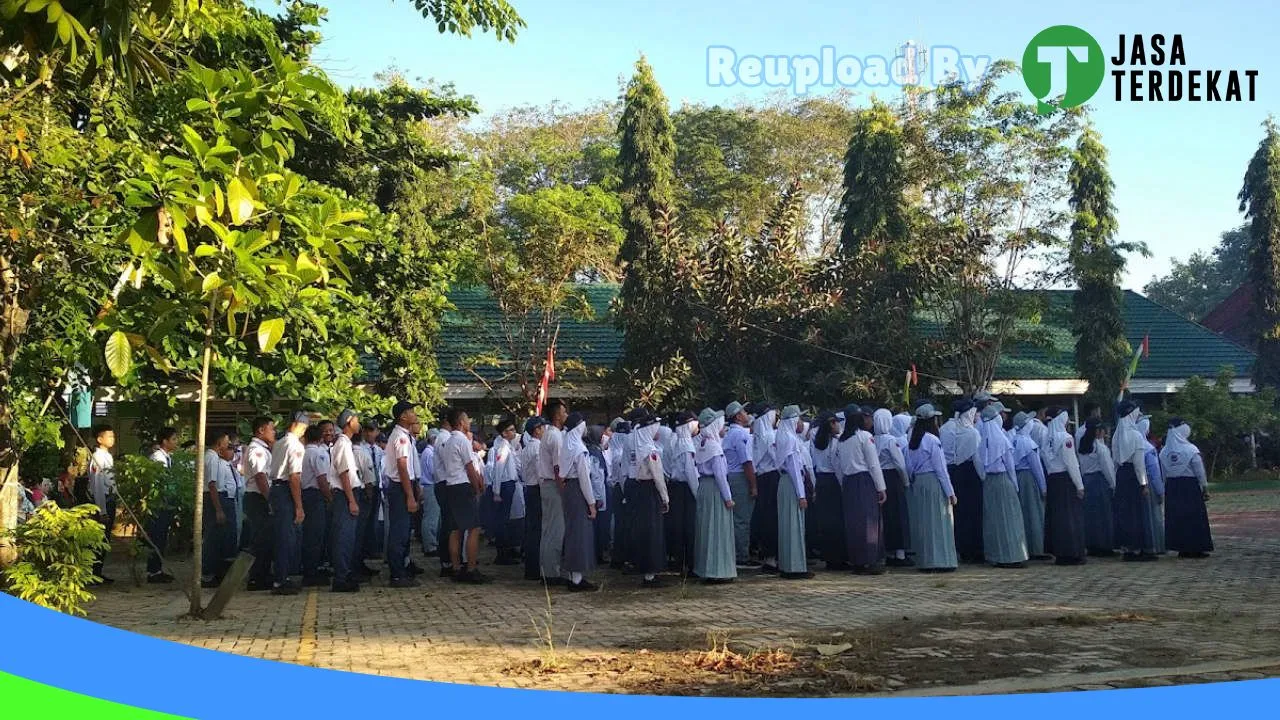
[1221,422]
[147,487]
[56,552]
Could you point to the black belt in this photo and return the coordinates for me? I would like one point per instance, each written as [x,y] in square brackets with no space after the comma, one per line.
[279,482]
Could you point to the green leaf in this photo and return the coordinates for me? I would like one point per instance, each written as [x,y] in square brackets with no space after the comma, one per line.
[211,282]
[269,333]
[119,354]
[239,202]
[203,251]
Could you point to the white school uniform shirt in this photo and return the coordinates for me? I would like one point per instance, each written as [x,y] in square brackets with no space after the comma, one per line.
[825,459]
[1060,457]
[762,438]
[599,478]
[315,465]
[682,467]
[218,471]
[364,464]
[529,462]
[549,453]
[400,445]
[649,460]
[455,455]
[160,456]
[286,457]
[257,460]
[504,463]
[738,449]
[1180,458]
[102,478]
[620,459]
[343,459]
[858,455]
[1099,461]
[997,451]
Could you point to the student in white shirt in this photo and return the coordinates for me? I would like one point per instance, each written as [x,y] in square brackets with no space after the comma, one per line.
[162,517]
[286,501]
[1064,537]
[1099,474]
[371,538]
[102,488]
[1186,492]
[257,508]
[463,484]
[863,492]
[681,521]
[534,428]
[344,510]
[504,481]
[399,475]
[316,494]
[550,473]
[219,510]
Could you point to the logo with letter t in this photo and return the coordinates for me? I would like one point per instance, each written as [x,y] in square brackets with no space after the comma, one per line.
[1063,67]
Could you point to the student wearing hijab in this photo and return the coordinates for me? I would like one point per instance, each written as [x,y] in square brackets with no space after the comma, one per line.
[622,477]
[597,448]
[534,428]
[505,473]
[1065,493]
[1004,540]
[962,447]
[827,505]
[682,521]
[793,560]
[651,500]
[1031,482]
[764,518]
[1132,517]
[713,554]
[738,456]
[863,491]
[579,506]
[1155,480]
[893,466]
[1099,475]
[931,495]
[1187,491]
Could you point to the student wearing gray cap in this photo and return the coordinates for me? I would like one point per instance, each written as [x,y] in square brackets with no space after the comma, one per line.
[742,479]
[713,539]
[931,496]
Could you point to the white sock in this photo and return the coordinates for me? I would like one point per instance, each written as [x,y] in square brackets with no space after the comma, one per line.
[575,578]
[648,578]
[900,554]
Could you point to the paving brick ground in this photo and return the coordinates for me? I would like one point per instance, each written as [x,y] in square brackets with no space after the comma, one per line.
[1037,628]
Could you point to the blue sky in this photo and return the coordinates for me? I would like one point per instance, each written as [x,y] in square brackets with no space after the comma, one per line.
[1177,166]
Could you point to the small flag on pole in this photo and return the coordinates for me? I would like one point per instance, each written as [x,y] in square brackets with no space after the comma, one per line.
[548,374]
[1143,350]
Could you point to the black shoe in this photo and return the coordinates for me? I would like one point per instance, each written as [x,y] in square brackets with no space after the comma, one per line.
[748,565]
[1102,553]
[795,575]
[656,582]
[285,589]
[868,570]
[210,583]
[160,578]
[366,571]
[414,569]
[766,569]
[899,562]
[583,586]
[717,581]
[1069,561]
[1147,557]
[404,582]
[1042,556]
[448,571]
[1193,555]
[1130,557]
[838,567]
[1013,565]
[692,575]
[348,587]
[314,581]
[937,571]
[256,586]
[474,577]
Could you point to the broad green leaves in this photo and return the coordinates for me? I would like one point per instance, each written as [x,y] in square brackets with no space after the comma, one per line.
[239,201]
[119,354]
[269,333]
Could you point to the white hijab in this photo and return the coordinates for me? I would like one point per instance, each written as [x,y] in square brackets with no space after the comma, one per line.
[683,442]
[786,440]
[762,432]
[709,445]
[1127,440]
[902,425]
[1056,429]
[1178,441]
[573,444]
[643,438]
[882,427]
[994,442]
[1144,427]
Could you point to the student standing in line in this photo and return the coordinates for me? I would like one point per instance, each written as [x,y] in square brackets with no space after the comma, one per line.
[505,476]
[863,492]
[1132,517]
[764,517]
[1187,491]
[399,474]
[551,546]
[445,526]
[373,545]
[1004,540]
[793,560]
[344,510]
[429,525]
[682,520]
[738,456]
[257,473]
[827,503]
[368,477]
[1032,484]
[1064,522]
[464,483]
[1155,481]
[534,428]
[714,559]
[315,494]
[579,558]
[162,520]
[962,446]
[621,478]
[219,509]
[931,495]
[102,489]
[598,443]
[1099,474]
[895,516]
[651,500]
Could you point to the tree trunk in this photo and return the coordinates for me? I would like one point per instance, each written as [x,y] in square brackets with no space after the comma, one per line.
[197,526]
[13,325]
[10,493]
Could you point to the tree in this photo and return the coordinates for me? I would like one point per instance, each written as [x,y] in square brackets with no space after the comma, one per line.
[1197,285]
[1222,422]
[646,311]
[1260,203]
[1097,262]
[722,168]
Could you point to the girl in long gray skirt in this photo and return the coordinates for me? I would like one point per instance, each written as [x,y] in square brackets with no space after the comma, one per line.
[863,493]
[1099,473]
[714,559]
[1004,540]
[793,561]
[931,496]
[1032,483]
[1155,479]
[579,504]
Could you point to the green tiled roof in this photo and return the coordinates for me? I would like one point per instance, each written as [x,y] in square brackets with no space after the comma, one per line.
[1180,348]
[473,329]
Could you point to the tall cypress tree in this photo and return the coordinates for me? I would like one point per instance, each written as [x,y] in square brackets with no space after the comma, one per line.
[1260,202]
[647,312]
[1102,352]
